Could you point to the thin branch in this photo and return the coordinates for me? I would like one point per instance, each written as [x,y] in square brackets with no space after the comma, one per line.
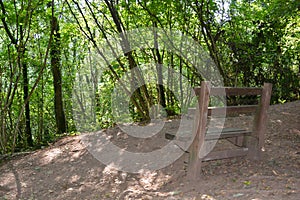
[75,17]
[11,37]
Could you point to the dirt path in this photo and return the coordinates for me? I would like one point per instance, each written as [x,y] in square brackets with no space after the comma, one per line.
[66,170]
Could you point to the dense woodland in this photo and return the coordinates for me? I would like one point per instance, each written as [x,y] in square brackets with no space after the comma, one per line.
[45,44]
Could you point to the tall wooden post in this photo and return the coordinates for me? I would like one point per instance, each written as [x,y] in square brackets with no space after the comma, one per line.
[194,167]
[262,117]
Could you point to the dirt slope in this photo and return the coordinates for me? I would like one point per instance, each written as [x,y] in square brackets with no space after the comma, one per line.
[66,170]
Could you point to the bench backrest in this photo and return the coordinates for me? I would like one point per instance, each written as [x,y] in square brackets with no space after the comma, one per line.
[204,93]
[260,109]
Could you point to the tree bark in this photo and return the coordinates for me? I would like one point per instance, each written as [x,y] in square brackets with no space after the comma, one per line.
[162,98]
[57,81]
[27,109]
[21,52]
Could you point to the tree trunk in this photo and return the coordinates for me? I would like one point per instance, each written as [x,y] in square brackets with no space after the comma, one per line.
[161,93]
[21,62]
[27,109]
[57,81]
[140,98]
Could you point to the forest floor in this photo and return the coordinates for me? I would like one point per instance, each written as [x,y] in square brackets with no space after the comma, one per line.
[66,170]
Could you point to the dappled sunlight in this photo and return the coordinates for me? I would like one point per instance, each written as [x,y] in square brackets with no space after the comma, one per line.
[110,170]
[7,182]
[205,197]
[66,170]
[50,155]
[146,185]
[149,100]
[152,180]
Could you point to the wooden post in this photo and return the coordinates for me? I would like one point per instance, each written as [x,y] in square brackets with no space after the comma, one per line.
[263,114]
[261,120]
[194,167]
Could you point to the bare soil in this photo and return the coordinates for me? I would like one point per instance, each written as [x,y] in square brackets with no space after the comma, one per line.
[66,170]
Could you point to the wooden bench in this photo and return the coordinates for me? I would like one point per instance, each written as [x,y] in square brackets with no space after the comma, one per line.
[248,142]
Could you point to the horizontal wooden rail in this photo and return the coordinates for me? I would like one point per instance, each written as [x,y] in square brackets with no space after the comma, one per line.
[230,91]
[226,133]
[232,110]
[228,110]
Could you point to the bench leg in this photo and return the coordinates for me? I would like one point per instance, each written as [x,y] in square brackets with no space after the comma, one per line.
[237,141]
[254,152]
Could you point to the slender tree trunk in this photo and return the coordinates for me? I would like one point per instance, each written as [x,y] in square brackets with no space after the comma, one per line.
[141,95]
[27,108]
[162,98]
[208,37]
[180,85]
[41,114]
[21,62]
[57,81]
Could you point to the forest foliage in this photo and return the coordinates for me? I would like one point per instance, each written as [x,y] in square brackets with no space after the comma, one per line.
[47,45]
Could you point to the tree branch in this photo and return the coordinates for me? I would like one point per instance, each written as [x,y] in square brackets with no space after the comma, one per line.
[11,37]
